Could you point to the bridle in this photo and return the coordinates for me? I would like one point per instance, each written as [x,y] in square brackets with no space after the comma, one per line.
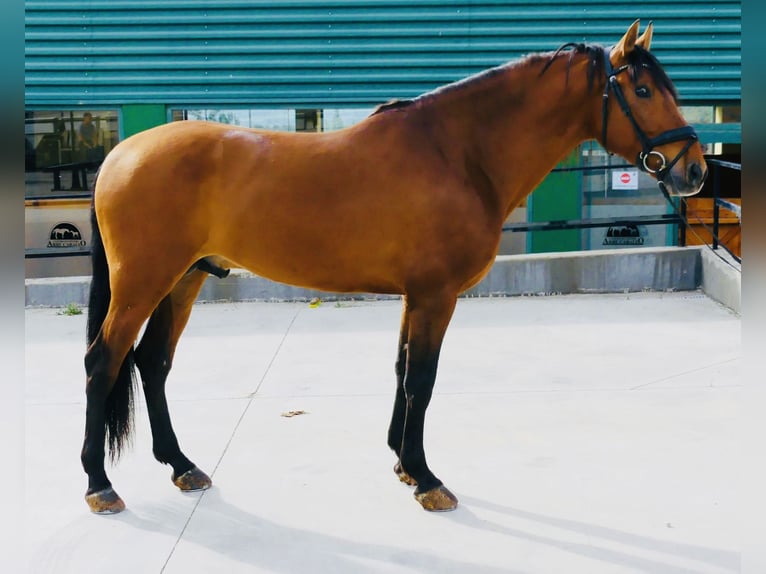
[648,144]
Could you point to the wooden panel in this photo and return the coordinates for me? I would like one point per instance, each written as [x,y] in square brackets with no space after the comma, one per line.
[700,210]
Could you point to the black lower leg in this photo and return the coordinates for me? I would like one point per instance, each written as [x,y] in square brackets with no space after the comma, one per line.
[418,388]
[93,450]
[153,362]
[396,428]
[164,442]
[428,320]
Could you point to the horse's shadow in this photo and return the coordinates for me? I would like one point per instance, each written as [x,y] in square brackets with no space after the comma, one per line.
[273,547]
[709,557]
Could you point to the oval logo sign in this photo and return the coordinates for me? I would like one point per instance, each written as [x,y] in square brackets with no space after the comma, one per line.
[65,235]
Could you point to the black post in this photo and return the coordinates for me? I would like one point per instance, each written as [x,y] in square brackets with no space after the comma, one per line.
[716,208]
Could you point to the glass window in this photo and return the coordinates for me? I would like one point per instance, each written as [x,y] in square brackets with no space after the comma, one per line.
[706,118]
[698,114]
[292,120]
[729,114]
[283,120]
[339,118]
[64,148]
[308,120]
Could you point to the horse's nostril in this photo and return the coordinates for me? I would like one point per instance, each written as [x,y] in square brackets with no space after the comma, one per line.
[695,174]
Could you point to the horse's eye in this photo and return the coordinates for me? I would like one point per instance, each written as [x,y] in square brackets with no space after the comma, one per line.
[643,92]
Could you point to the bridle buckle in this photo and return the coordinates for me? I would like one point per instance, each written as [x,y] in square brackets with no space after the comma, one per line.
[644,157]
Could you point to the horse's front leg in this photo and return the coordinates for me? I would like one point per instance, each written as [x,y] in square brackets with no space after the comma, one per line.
[396,428]
[427,319]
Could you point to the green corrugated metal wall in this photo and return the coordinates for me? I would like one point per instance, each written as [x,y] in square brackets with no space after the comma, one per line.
[334,52]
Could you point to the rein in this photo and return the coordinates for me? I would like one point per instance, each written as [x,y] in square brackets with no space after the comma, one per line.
[648,144]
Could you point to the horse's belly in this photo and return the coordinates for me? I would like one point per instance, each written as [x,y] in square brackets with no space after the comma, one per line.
[315,267]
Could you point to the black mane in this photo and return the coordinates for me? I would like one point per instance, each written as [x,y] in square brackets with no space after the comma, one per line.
[392,105]
[639,59]
[397,104]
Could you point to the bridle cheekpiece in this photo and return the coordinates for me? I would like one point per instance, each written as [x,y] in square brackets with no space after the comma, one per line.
[647,144]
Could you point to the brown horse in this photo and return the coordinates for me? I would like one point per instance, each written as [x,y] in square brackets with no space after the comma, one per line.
[409,201]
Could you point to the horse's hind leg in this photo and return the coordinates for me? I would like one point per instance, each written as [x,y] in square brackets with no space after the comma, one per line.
[154,357]
[109,384]
[428,317]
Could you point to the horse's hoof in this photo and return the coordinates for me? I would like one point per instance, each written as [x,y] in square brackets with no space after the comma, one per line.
[437,499]
[193,480]
[403,476]
[105,501]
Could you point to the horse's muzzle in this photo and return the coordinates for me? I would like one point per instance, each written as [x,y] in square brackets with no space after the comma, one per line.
[680,182]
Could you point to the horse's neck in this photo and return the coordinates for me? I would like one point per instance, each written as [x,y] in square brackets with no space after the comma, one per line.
[518,125]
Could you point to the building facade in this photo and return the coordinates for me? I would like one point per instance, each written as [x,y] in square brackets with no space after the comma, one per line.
[324,64]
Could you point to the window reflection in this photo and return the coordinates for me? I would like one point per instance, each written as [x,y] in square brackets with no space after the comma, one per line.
[63,149]
[290,120]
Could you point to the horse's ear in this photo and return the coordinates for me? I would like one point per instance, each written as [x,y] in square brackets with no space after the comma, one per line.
[645,40]
[627,43]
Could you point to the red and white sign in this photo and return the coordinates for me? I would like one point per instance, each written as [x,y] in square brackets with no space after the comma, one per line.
[625,179]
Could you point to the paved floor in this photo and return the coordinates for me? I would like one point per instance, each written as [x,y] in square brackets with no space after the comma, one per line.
[591,434]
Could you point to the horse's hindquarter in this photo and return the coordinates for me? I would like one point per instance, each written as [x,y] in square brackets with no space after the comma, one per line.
[148,202]
[356,210]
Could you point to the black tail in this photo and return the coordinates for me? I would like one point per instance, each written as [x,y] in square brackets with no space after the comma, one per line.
[119,402]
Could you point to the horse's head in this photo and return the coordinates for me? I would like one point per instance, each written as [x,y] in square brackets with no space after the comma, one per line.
[641,120]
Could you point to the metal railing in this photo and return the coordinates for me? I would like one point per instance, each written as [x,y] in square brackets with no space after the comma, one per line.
[46,253]
[557,225]
[719,202]
[662,219]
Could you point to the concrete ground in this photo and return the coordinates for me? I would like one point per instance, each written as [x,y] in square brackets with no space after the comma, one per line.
[581,433]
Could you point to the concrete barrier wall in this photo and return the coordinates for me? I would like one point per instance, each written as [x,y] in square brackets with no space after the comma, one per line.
[722,278]
[607,271]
